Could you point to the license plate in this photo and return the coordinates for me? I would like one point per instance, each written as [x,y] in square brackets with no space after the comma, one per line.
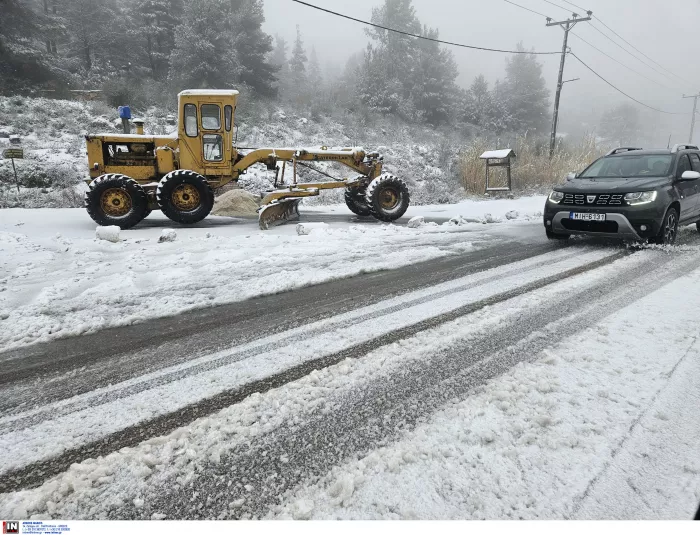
[578,216]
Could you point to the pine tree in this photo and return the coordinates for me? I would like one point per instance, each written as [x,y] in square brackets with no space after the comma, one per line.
[477,102]
[315,76]
[23,36]
[526,94]
[251,46]
[388,76]
[153,24]
[435,91]
[96,29]
[203,56]
[297,67]
[278,59]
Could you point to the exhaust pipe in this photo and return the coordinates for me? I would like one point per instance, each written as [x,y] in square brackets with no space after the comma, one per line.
[138,123]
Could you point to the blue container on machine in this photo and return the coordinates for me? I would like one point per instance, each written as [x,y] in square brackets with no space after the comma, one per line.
[124,112]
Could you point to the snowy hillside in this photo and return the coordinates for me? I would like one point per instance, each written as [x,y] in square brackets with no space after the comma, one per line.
[51,132]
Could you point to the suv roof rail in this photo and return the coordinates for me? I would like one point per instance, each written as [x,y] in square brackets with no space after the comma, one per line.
[622,149]
[676,148]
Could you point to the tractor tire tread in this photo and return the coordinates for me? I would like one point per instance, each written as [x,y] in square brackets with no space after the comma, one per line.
[139,201]
[356,202]
[373,201]
[185,176]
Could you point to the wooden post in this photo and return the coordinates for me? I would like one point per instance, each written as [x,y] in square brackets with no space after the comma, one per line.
[15,170]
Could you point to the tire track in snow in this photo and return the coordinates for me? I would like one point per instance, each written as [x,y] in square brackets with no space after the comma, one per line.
[377,413]
[211,362]
[35,473]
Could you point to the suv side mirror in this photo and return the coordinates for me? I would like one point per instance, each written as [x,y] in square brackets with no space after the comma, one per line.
[690,175]
[571,175]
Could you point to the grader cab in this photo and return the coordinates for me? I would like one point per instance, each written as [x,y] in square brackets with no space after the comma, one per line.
[132,174]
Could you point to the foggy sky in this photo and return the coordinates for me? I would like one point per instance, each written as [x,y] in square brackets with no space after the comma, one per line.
[668,31]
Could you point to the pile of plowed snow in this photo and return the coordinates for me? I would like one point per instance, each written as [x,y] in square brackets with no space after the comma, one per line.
[235,203]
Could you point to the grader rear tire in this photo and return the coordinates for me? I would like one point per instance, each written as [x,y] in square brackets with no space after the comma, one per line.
[387,197]
[356,201]
[185,196]
[115,199]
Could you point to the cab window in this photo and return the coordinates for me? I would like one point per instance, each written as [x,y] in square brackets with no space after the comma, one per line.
[211,117]
[213,145]
[228,115]
[191,120]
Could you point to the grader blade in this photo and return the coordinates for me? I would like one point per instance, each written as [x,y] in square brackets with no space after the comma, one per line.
[278,212]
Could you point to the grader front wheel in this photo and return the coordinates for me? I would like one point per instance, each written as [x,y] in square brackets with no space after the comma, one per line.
[115,199]
[356,201]
[387,198]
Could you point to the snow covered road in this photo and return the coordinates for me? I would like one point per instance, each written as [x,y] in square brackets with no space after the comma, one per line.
[517,379]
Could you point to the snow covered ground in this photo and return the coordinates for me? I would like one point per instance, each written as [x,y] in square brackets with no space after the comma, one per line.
[609,410]
[575,398]
[604,425]
[57,280]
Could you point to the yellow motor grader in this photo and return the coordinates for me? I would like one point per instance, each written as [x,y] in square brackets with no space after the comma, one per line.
[132,174]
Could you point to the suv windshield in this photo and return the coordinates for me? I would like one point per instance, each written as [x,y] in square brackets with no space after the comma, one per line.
[630,166]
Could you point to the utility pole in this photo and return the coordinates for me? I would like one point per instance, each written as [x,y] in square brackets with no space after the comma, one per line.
[692,118]
[567,26]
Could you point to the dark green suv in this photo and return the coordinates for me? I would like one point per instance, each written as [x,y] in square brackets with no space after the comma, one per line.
[631,194]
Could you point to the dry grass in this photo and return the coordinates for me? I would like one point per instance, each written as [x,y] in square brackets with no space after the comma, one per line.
[532,169]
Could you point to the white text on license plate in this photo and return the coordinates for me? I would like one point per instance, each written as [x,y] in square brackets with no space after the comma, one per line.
[586,217]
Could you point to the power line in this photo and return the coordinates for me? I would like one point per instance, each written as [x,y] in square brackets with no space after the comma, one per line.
[621,63]
[629,44]
[627,51]
[401,32]
[557,5]
[621,91]
[577,7]
[642,53]
[526,9]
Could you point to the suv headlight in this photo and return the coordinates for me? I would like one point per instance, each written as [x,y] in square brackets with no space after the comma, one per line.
[556,196]
[641,197]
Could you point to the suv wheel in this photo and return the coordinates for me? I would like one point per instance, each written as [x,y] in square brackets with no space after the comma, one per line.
[669,229]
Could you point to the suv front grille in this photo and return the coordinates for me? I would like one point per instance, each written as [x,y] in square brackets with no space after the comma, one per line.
[592,199]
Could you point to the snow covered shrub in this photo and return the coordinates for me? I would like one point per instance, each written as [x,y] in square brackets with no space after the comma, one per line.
[533,170]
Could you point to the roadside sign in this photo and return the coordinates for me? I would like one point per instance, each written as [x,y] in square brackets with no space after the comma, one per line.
[16,154]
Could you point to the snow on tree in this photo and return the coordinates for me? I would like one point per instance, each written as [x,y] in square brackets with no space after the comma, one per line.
[278,59]
[435,90]
[252,47]
[297,66]
[152,28]
[411,77]
[25,45]
[525,93]
[96,30]
[315,76]
[203,56]
[477,102]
